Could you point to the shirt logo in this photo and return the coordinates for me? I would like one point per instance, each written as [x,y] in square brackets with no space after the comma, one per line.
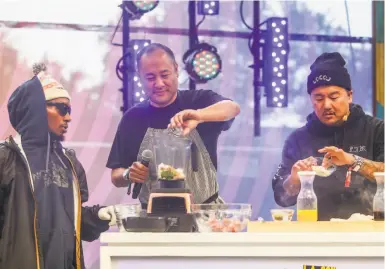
[356,149]
[321,77]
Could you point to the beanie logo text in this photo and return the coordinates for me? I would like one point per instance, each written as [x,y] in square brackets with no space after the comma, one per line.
[321,77]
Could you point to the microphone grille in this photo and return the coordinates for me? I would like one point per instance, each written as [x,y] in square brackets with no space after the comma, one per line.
[147,154]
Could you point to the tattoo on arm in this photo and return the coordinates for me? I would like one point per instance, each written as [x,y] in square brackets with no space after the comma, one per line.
[369,167]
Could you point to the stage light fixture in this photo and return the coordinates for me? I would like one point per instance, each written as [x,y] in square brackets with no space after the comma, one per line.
[137,8]
[208,7]
[202,63]
[275,59]
[136,45]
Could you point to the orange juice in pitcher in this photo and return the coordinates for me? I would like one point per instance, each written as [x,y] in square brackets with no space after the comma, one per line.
[307,209]
[307,215]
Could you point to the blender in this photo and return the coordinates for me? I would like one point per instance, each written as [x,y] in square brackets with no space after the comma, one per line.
[169,205]
[172,153]
[307,209]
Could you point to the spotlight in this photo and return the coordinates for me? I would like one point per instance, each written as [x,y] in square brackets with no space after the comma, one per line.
[202,63]
[275,58]
[136,45]
[208,7]
[137,8]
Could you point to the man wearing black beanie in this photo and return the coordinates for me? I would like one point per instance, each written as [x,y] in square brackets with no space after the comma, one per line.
[337,130]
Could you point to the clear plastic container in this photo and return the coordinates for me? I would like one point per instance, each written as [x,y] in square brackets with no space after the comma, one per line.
[123,211]
[222,217]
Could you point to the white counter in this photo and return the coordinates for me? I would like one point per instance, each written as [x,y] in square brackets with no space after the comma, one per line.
[273,250]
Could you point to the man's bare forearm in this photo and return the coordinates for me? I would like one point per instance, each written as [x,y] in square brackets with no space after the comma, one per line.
[368,168]
[117,178]
[221,111]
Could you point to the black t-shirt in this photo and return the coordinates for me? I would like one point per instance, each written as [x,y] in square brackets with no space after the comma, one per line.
[133,126]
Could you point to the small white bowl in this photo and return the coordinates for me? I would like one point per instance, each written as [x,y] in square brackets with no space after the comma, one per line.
[282,214]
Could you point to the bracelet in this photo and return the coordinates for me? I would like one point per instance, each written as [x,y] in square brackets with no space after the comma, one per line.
[126,174]
[354,167]
[357,163]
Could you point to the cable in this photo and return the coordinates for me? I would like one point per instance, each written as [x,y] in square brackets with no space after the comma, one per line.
[350,35]
[200,22]
[116,29]
[197,26]
[120,69]
[250,40]
[242,17]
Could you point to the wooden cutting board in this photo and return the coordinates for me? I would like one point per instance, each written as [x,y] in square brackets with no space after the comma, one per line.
[319,226]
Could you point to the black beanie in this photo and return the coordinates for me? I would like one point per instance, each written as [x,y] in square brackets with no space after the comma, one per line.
[328,69]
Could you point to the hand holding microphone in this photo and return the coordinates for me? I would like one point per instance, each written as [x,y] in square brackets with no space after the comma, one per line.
[140,172]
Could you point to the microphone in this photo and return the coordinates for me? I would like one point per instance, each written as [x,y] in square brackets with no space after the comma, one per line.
[146,158]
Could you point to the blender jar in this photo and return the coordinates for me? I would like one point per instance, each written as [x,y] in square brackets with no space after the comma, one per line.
[171,155]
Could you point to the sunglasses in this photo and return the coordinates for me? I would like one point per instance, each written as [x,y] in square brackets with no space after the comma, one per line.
[62,108]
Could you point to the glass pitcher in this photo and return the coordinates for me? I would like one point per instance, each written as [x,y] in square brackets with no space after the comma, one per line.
[307,209]
[171,155]
[378,200]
